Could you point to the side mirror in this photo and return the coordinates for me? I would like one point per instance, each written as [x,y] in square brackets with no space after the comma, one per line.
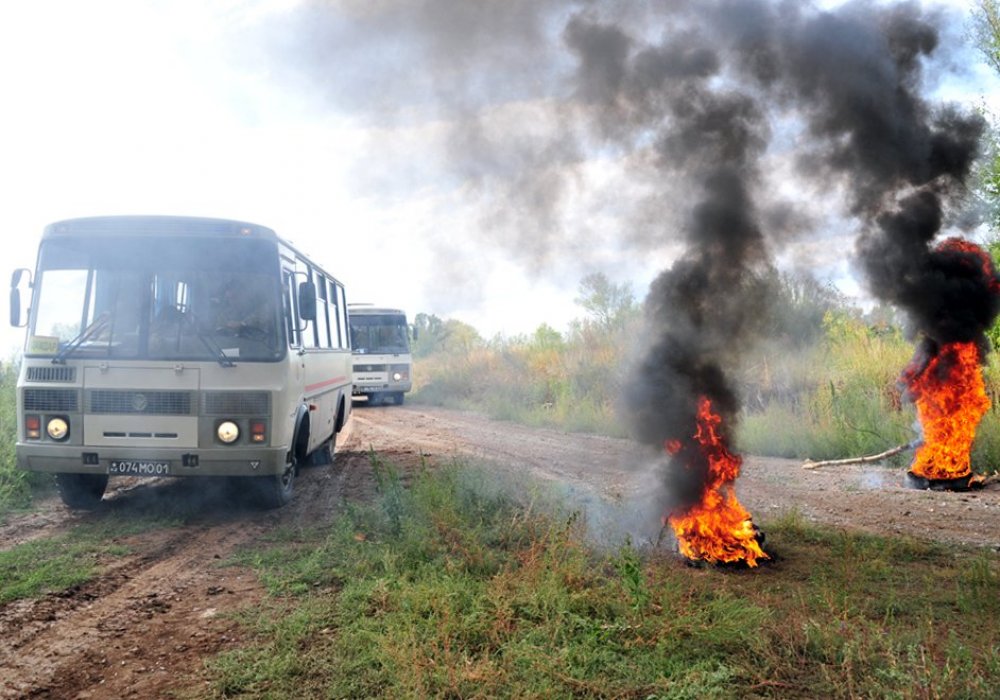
[16,278]
[15,307]
[415,334]
[307,301]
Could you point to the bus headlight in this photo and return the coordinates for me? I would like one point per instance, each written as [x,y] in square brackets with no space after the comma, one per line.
[228,432]
[57,428]
[397,376]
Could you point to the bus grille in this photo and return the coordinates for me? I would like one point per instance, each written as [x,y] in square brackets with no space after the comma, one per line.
[165,403]
[369,368]
[63,400]
[237,403]
[51,374]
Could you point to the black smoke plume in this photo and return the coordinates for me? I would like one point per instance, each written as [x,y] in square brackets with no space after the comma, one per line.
[696,101]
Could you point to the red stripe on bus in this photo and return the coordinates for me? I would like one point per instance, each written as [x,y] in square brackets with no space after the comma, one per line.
[328,382]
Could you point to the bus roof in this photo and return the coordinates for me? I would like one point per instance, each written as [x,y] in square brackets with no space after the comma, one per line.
[156,225]
[367,309]
[193,226]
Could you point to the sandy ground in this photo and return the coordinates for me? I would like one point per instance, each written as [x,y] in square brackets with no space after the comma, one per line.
[145,625]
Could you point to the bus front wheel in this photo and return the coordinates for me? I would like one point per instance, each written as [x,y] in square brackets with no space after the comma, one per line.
[275,490]
[81,491]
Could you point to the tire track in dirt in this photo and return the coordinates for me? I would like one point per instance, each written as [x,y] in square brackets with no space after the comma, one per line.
[145,625]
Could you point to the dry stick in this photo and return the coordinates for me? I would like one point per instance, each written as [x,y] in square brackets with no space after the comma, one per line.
[809,464]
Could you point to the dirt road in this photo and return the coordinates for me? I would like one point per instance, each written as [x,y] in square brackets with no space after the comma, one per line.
[145,625]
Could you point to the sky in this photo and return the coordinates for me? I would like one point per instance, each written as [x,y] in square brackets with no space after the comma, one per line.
[216,108]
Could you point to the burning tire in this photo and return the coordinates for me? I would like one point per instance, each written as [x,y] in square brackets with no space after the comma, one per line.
[962,483]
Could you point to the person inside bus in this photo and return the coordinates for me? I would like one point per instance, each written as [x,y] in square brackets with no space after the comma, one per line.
[243,308]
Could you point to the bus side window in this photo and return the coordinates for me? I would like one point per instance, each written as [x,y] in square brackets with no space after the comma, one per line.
[335,331]
[322,314]
[342,317]
[310,333]
[291,310]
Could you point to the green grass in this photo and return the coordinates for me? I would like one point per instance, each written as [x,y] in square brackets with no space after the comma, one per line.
[55,563]
[450,589]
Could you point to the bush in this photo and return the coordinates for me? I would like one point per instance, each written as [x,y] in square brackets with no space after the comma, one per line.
[825,387]
[15,485]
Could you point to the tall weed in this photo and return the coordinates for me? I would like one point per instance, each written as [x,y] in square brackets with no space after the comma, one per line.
[832,394]
[15,485]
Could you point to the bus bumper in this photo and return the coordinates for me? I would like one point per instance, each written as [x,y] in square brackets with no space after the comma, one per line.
[124,461]
[381,388]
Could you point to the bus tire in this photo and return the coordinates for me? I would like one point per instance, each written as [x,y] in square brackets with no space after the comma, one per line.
[341,412]
[398,398]
[81,491]
[275,490]
[322,456]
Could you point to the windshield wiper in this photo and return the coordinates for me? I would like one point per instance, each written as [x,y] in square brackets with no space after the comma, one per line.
[92,329]
[210,344]
[186,320]
[213,347]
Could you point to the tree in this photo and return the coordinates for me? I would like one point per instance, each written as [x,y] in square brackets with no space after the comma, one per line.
[459,337]
[984,31]
[546,337]
[610,304]
[435,335]
[429,332]
[984,28]
[799,306]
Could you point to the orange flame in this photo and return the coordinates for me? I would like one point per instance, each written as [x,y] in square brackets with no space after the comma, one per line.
[951,399]
[718,528]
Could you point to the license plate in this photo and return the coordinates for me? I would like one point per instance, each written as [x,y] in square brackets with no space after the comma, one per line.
[139,467]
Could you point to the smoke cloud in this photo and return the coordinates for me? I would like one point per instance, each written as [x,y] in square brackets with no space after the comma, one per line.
[698,106]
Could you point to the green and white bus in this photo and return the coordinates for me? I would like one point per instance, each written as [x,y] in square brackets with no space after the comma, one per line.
[380,338]
[177,347]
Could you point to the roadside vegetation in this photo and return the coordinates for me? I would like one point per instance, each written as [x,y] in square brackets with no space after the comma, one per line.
[822,384]
[449,588]
[572,380]
[16,487]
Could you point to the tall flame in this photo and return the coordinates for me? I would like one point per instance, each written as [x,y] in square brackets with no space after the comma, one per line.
[951,399]
[718,528]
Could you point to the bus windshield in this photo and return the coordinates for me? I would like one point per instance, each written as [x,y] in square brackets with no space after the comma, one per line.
[385,334]
[157,298]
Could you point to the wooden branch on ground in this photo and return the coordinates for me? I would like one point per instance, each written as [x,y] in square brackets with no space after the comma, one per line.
[809,464]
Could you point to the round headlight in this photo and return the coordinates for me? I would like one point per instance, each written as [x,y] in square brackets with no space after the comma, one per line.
[397,376]
[228,431]
[57,428]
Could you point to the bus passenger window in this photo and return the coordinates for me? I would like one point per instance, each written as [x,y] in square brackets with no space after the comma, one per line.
[342,317]
[322,326]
